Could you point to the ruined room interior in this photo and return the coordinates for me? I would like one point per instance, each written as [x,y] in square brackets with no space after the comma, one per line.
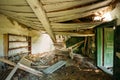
[59,40]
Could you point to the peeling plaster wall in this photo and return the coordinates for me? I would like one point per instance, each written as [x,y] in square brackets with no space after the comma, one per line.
[40,42]
[116,13]
[7,26]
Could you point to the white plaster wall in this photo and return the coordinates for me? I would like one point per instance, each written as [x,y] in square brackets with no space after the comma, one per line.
[43,43]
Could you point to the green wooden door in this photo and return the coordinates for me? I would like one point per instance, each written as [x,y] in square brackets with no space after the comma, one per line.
[99,46]
[108,47]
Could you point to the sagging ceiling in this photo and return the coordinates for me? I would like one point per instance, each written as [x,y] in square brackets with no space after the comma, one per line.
[62,17]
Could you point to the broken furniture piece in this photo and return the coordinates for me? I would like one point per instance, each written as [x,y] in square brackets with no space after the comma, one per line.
[54,67]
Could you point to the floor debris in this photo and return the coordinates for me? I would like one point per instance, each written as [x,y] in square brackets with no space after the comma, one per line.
[77,68]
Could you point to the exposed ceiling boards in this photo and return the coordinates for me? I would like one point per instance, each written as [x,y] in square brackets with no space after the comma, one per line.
[47,15]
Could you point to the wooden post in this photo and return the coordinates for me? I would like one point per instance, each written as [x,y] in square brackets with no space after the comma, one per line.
[6,45]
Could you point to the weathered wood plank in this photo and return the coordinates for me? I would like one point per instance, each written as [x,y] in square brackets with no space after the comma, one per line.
[75,34]
[12,72]
[32,19]
[17,8]
[31,24]
[7,61]
[30,70]
[75,25]
[19,13]
[76,45]
[78,10]
[22,67]
[24,19]
[5,41]
[40,13]
[54,67]
[13,2]
[76,16]
[56,1]
[65,5]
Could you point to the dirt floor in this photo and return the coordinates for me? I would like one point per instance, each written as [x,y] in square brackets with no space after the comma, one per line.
[66,73]
[77,68]
[71,71]
[74,73]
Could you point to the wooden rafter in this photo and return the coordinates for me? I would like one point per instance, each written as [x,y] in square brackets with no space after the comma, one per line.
[19,13]
[25,22]
[40,13]
[75,34]
[16,8]
[78,10]
[13,2]
[75,25]
[65,5]
[77,15]
[57,1]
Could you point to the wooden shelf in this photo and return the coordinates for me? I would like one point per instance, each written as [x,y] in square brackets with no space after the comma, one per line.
[21,41]
[17,41]
[19,47]
[18,35]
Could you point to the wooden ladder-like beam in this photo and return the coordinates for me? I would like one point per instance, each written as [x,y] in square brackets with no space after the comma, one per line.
[41,15]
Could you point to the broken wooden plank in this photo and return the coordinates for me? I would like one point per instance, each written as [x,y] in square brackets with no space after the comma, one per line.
[30,70]
[54,67]
[23,67]
[75,46]
[12,72]
[7,61]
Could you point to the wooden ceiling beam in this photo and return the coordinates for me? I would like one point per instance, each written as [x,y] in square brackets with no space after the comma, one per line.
[58,1]
[13,2]
[31,20]
[79,10]
[19,13]
[40,13]
[75,34]
[65,5]
[77,15]
[16,8]
[27,23]
[75,25]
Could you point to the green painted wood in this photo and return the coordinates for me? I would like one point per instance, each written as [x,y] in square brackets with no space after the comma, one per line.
[108,47]
[99,46]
